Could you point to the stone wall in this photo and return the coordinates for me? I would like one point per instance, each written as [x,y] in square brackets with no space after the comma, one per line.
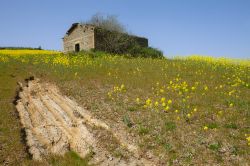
[79,34]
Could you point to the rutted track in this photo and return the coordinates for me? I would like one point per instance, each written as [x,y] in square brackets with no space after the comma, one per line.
[55,124]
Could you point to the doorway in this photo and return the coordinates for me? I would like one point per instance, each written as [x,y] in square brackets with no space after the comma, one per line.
[77,47]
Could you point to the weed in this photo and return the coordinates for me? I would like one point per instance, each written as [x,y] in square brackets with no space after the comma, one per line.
[170,126]
[132,109]
[127,121]
[212,125]
[168,146]
[215,146]
[143,130]
[231,126]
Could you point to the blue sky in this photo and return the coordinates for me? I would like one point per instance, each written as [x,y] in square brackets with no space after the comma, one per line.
[178,27]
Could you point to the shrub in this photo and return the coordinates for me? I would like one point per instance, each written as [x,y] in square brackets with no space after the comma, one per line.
[136,51]
[147,52]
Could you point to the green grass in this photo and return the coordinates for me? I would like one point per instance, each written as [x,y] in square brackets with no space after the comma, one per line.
[70,158]
[12,149]
[170,126]
[212,125]
[219,100]
[215,146]
[127,121]
[143,130]
[231,126]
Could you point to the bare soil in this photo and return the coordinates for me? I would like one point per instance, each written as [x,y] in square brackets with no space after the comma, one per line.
[55,124]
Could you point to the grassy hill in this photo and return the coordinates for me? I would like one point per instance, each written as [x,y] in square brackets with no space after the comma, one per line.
[185,111]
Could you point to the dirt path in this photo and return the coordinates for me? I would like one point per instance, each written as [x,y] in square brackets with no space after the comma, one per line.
[55,124]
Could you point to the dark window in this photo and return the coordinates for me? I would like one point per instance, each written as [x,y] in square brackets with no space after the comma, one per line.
[77,47]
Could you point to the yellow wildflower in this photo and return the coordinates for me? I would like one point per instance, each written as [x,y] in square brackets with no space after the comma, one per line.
[148,102]
[122,86]
[109,94]
[205,128]
[156,103]
[205,88]
[162,90]
[166,108]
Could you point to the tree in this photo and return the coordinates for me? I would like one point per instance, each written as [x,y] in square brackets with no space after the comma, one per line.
[113,41]
[109,22]
[112,34]
[113,37]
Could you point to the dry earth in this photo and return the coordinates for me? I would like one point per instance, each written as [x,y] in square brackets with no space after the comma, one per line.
[55,124]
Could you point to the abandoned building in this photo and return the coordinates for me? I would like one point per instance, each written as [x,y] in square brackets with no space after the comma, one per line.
[85,37]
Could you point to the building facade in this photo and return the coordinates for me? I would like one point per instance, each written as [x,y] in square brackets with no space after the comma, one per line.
[85,37]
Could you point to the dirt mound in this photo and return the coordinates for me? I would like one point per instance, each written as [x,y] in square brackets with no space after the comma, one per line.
[55,124]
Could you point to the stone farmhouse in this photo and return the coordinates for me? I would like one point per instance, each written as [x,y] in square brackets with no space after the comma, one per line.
[85,37]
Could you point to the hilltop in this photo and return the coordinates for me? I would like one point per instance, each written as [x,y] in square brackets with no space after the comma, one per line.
[175,111]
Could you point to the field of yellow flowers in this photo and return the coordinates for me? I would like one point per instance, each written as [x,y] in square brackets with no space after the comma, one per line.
[193,110]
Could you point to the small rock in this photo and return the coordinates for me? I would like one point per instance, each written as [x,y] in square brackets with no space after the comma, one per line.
[176,162]
[110,158]
[222,150]
[149,155]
